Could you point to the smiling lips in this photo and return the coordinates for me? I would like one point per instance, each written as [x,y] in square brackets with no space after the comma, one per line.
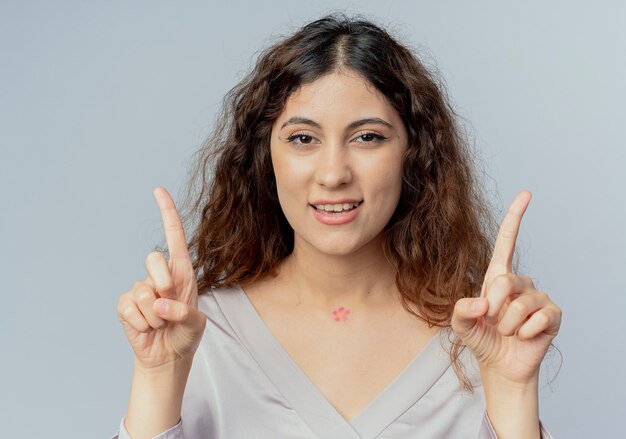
[335,213]
[340,207]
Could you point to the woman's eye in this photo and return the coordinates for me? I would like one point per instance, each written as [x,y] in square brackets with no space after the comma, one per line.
[304,139]
[371,138]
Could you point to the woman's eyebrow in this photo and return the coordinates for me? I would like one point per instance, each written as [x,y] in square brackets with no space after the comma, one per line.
[369,120]
[299,119]
[352,125]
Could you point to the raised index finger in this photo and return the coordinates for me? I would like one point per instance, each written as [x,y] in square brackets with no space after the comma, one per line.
[174,232]
[504,247]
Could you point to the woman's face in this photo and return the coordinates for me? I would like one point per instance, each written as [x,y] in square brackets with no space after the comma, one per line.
[337,152]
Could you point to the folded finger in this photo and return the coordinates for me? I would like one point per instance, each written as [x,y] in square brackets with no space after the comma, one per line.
[466,312]
[176,311]
[129,314]
[145,297]
[160,275]
[545,320]
[521,309]
[502,287]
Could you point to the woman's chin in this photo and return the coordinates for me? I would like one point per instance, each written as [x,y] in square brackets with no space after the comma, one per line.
[337,251]
[336,247]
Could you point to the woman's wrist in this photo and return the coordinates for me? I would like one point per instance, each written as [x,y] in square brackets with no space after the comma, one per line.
[513,408]
[156,398]
[173,367]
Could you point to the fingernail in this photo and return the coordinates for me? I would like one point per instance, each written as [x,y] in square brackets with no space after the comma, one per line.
[161,307]
[476,304]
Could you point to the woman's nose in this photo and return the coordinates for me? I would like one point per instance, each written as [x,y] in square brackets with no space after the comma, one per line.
[333,168]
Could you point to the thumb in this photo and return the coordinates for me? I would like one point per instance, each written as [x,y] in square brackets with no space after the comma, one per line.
[466,313]
[176,311]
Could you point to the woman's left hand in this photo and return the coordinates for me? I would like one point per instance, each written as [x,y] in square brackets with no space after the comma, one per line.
[510,326]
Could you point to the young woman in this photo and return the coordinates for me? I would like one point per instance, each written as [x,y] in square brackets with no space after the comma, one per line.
[341,282]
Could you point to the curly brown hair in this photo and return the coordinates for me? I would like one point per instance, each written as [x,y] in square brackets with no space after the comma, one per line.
[440,236]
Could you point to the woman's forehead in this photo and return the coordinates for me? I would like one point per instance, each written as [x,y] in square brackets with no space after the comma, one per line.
[336,97]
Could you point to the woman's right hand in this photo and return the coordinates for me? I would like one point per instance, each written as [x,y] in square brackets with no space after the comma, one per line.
[160,314]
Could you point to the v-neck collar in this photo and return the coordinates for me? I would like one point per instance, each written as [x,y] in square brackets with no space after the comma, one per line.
[319,414]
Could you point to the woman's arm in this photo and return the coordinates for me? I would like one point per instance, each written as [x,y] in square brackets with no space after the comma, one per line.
[509,329]
[513,409]
[164,327]
[156,399]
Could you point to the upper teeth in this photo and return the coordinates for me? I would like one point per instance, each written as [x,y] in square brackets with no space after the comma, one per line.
[336,207]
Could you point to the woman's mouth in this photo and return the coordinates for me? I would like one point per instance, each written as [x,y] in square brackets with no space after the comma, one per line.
[336,214]
[336,208]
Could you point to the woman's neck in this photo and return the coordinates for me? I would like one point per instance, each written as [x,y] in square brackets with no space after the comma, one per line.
[323,281]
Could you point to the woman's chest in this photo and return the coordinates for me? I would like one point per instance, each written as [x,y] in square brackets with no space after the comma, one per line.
[243,377]
[350,362]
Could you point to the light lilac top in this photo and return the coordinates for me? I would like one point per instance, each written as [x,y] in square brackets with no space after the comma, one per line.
[244,385]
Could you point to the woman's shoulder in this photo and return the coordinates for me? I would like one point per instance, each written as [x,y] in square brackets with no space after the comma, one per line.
[211,302]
